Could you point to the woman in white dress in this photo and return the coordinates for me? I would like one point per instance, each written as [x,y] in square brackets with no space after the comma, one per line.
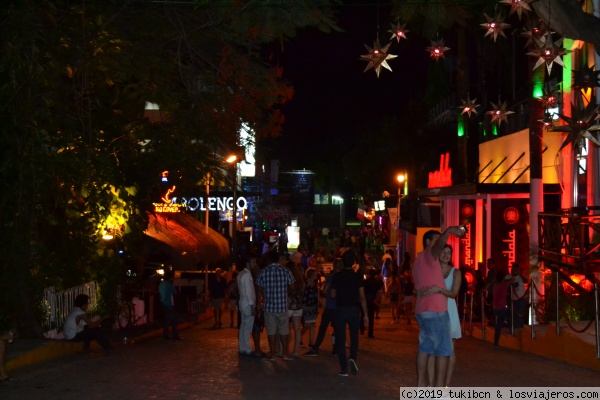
[452,279]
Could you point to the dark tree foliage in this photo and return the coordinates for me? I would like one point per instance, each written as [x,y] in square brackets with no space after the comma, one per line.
[78,157]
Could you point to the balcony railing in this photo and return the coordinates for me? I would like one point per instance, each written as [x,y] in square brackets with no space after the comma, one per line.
[571,239]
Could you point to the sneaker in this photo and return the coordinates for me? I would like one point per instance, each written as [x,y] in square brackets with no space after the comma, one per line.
[353,367]
[343,373]
[311,353]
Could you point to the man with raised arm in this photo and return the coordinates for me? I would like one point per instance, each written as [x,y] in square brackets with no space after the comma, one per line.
[431,310]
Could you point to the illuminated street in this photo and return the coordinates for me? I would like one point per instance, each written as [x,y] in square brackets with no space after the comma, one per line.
[206,366]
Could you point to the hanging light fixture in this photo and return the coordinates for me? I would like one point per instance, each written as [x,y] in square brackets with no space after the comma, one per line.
[469,106]
[549,98]
[535,32]
[579,126]
[586,78]
[398,32]
[499,113]
[518,6]
[547,120]
[494,26]
[437,49]
[377,57]
[550,52]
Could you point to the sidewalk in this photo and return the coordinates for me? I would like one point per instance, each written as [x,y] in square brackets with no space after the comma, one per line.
[25,352]
[574,348]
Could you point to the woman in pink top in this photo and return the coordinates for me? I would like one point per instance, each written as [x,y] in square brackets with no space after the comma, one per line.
[499,305]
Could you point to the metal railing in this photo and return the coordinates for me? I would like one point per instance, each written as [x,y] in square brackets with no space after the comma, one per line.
[568,238]
[538,303]
[57,305]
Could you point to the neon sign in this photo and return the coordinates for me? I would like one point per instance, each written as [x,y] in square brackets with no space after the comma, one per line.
[442,177]
[167,208]
[214,203]
[174,204]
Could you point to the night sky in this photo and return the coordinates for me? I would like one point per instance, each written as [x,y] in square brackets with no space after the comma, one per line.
[332,93]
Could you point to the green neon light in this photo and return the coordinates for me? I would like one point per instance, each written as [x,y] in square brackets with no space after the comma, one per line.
[538,83]
[461,127]
[495,130]
[568,62]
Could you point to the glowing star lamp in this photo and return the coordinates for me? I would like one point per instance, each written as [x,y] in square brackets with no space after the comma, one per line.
[437,49]
[377,57]
[398,32]
[519,6]
[499,113]
[549,53]
[549,98]
[469,106]
[495,26]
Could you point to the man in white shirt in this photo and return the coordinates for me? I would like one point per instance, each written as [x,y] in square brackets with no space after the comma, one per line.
[247,306]
[79,327]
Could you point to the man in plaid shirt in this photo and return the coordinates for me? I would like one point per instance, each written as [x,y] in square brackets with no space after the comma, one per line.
[273,283]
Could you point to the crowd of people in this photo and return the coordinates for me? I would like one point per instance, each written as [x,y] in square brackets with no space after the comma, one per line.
[285,294]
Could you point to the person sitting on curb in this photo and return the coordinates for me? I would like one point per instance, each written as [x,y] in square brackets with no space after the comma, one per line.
[7,336]
[80,328]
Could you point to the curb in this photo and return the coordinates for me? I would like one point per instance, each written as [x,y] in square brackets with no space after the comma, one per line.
[52,349]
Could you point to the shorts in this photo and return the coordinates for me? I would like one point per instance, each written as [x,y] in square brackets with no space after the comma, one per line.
[232,305]
[218,304]
[277,323]
[295,313]
[310,315]
[434,333]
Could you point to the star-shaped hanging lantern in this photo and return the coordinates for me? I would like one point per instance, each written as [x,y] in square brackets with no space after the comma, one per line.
[547,120]
[469,106]
[536,33]
[586,78]
[495,26]
[579,127]
[377,57]
[398,32]
[519,6]
[549,53]
[549,98]
[437,49]
[499,113]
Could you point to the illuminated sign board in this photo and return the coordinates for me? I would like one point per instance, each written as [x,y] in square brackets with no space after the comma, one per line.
[214,203]
[442,177]
[167,208]
[174,204]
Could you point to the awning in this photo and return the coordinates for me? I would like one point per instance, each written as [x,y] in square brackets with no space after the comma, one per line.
[186,242]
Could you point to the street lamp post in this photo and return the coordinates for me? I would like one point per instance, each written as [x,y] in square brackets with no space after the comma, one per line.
[206,216]
[234,159]
[400,178]
[234,231]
